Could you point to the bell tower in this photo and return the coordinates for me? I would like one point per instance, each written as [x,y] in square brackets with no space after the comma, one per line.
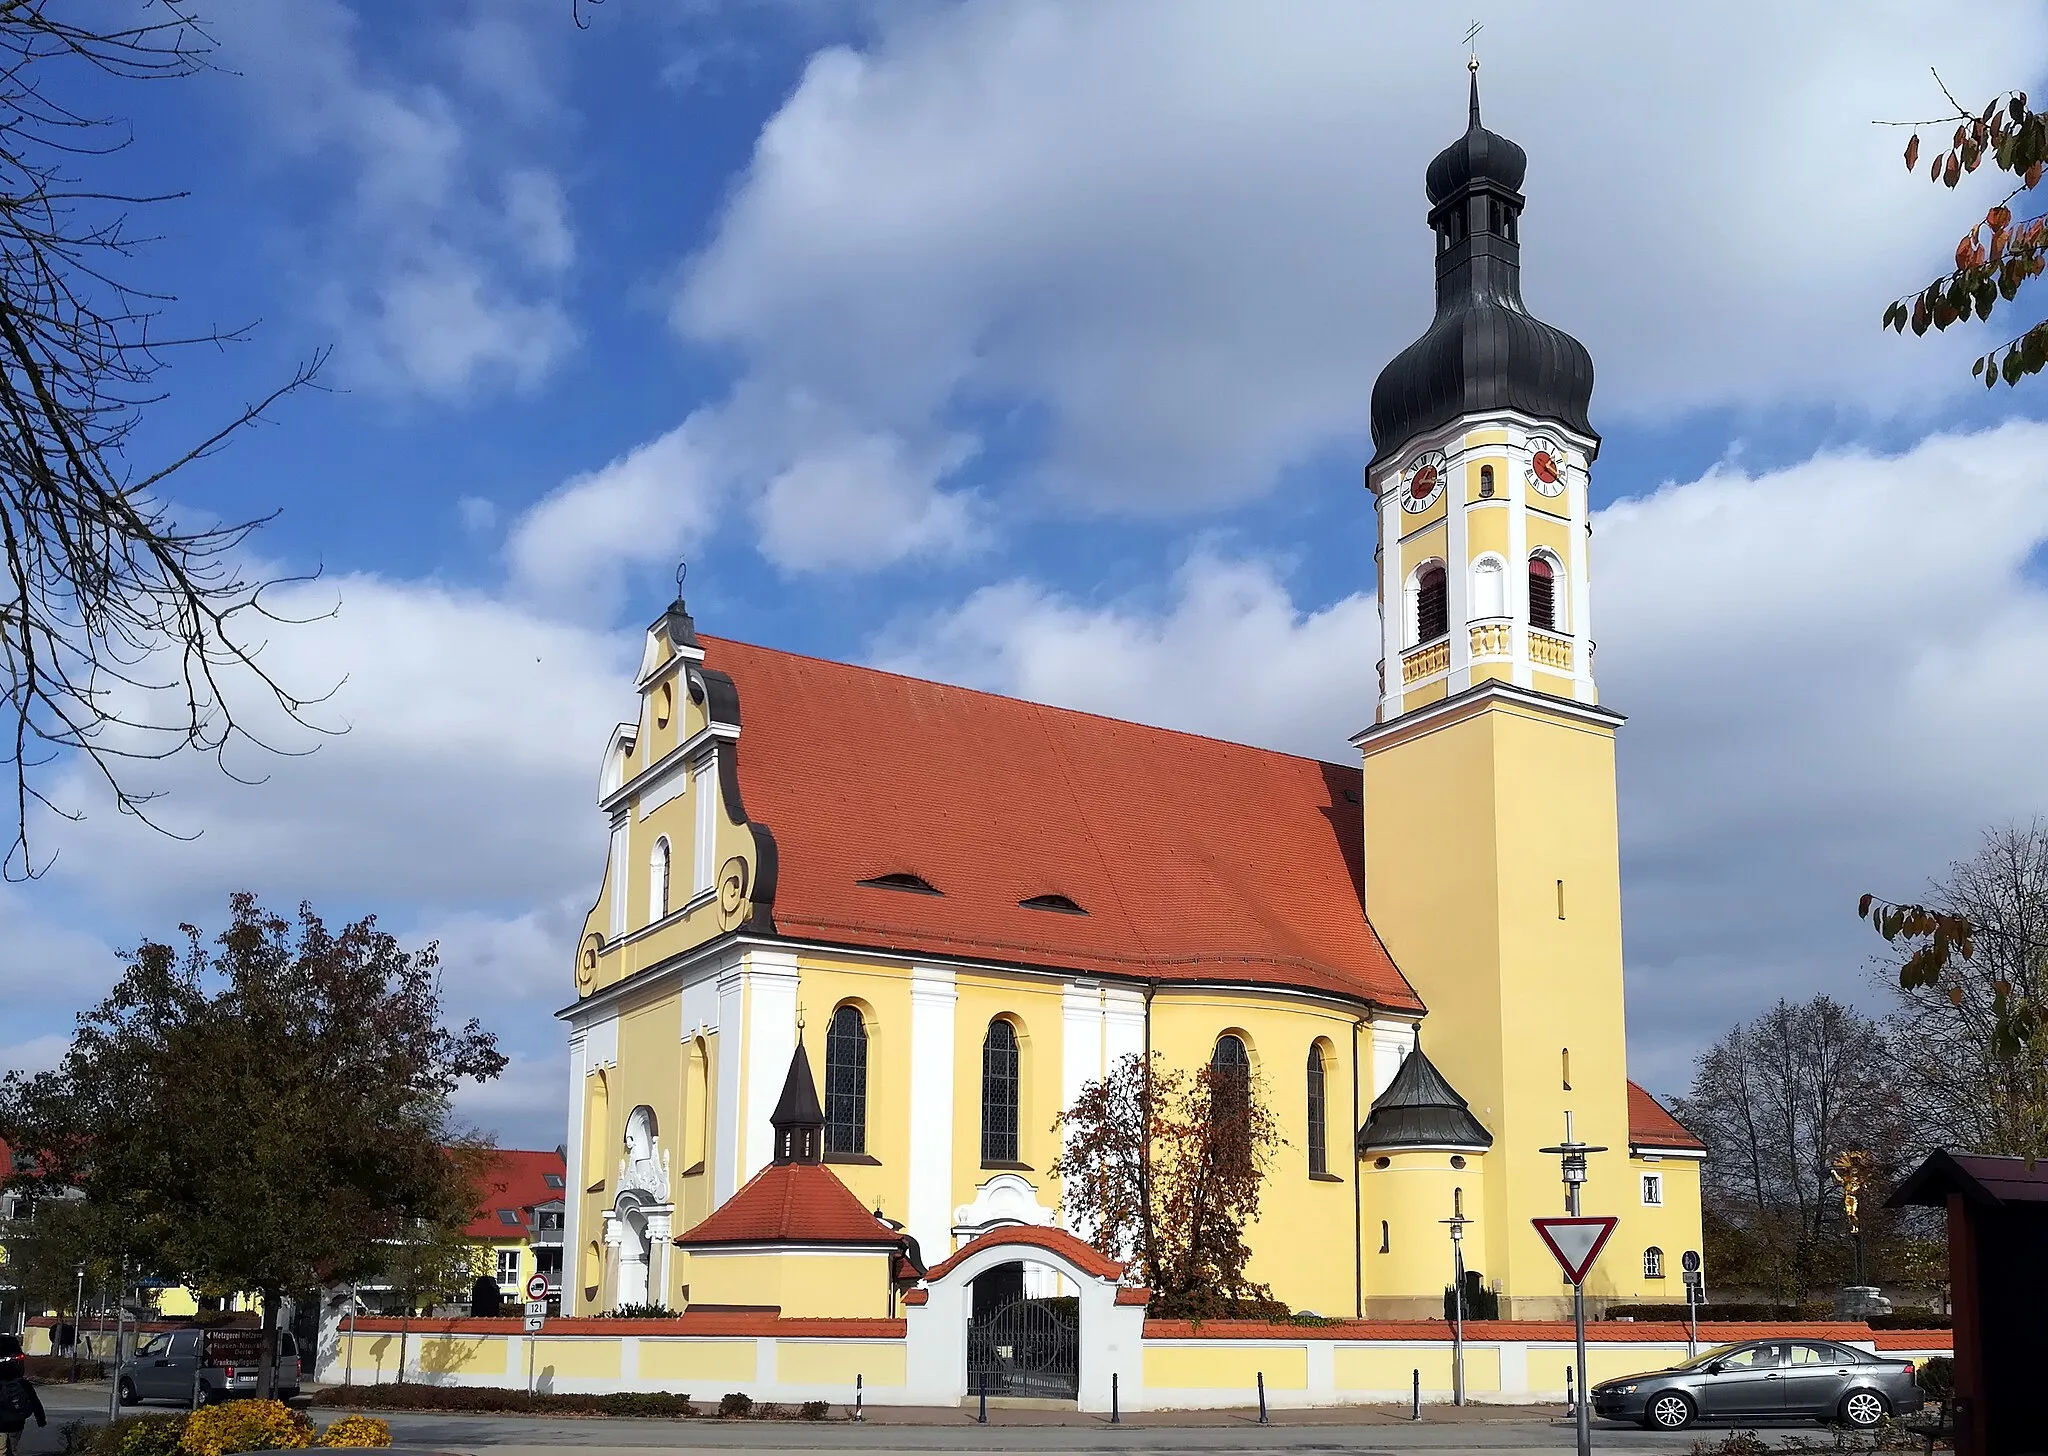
[1479,469]
[1492,863]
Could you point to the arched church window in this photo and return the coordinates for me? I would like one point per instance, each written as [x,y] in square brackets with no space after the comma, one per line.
[1230,1076]
[999,1088]
[1486,482]
[657,880]
[1653,1263]
[846,1082]
[1543,593]
[1318,1112]
[1489,587]
[1432,602]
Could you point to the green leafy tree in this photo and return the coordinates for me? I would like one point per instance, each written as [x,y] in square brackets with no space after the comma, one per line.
[1164,1169]
[262,1113]
[2001,253]
[431,1261]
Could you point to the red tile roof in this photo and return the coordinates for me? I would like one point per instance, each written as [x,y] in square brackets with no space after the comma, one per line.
[515,1180]
[1650,1126]
[690,1322]
[1194,859]
[1082,1255]
[792,1203]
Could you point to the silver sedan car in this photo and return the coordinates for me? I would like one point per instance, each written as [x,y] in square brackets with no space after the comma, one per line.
[1765,1380]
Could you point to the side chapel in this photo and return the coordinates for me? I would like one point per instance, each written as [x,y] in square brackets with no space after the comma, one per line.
[980,903]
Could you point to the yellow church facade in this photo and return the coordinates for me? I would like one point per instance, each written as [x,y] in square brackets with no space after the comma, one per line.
[960,908]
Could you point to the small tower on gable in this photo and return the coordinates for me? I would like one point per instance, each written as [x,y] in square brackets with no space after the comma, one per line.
[1481,448]
[799,1118]
[1492,858]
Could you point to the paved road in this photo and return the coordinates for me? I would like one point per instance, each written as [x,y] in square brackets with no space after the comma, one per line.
[1497,1431]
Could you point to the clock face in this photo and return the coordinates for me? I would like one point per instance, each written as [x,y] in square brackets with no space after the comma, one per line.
[1423,481]
[1546,473]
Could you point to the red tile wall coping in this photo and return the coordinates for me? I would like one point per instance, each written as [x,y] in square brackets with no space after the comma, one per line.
[1599,1332]
[1134,1296]
[721,1322]
[1084,1256]
[1913,1339]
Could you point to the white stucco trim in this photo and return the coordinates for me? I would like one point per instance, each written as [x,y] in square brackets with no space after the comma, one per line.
[934,999]
[732,1020]
[771,986]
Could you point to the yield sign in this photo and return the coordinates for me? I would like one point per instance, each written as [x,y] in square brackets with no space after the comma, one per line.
[1575,1242]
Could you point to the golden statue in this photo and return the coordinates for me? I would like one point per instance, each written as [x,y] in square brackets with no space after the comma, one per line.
[1853,1170]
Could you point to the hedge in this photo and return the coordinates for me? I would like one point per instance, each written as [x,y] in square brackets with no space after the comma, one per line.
[1814,1310]
[504,1399]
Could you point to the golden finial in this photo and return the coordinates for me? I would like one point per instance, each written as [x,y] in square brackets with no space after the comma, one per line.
[799,1021]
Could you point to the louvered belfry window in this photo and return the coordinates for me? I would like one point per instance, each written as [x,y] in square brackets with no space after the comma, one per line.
[846,1082]
[999,1094]
[1432,604]
[1318,1113]
[1542,595]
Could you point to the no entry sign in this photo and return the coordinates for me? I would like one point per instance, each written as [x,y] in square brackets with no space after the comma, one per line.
[1575,1242]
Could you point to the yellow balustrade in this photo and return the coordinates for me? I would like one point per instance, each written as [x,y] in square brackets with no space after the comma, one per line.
[1424,661]
[1548,651]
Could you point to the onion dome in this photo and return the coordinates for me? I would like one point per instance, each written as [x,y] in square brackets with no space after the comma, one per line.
[1484,351]
[1420,1109]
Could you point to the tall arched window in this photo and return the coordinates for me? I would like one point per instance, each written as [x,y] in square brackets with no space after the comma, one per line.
[1230,1073]
[1543,594]
[1489,587]
[697,1106]
[1432,602]
[1318,1113]
[657,880]
[999,1078]
[846,1082]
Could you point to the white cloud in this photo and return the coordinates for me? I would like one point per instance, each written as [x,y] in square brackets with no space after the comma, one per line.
[646,508]
[37,1054]
[1188,233]
[443,264]
[864,500]
[1828,670]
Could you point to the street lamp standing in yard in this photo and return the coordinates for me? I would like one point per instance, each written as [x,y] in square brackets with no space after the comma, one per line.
[1456,1223]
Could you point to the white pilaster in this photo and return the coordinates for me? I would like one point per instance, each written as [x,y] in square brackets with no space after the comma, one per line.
[771,1037]
[732,1042]
[1518,556]
[1123,1024]
[933,1000]
[619,874]
[572,1194]
[1080,1038]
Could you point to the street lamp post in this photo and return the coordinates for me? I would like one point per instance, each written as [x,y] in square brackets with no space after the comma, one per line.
[77,1322]
[1456,1223]
[1572,1155]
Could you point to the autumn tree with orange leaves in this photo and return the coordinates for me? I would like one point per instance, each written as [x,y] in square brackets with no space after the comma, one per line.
[2001,253]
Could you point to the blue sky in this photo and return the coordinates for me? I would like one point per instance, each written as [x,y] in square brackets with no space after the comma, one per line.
[1029,345]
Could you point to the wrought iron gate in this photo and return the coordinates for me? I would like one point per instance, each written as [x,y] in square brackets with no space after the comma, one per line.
[1029,1347]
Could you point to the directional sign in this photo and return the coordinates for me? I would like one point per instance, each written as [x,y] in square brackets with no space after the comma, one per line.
[534,1323]
[537,1285]
[1689,1261]
[1575,1242]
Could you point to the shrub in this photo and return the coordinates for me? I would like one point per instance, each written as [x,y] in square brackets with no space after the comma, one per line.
[356,1431]
[814,1410]
[504,1399]
[155,1435]
[1735,1311]
[641,1311]
[1937,1376]
[245,1425]
[1910,1319]
[49,1369]
[736,1403]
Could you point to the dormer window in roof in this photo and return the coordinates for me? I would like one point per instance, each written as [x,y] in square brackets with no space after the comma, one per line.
[912,884]
[553,1180]
[509,1217]
[1058,904]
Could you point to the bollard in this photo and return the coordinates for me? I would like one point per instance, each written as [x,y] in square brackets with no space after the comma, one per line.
[857,1414]
[1415,1399]
[983,1417]
[1262,1397]
[1116,1415]
[1571,1400]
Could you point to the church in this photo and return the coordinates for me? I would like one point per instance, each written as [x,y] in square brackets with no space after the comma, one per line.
[861,938]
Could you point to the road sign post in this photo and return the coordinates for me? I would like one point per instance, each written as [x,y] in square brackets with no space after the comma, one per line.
[1689,1265]
[536,1321]
[1575,1243]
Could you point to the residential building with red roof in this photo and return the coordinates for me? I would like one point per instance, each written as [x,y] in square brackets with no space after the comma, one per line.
[969,906]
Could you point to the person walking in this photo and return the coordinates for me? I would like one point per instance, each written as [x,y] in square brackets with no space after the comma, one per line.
[18,1398]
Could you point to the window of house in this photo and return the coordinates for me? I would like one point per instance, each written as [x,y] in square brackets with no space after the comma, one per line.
[1318,1113]
[1542,594]
[1653,1263]
[508,1266]
[553,1180]
[1432,603]
[550,1223]
[509,1217]
[657,880]
[1653,1188]
[999,1078]
[1230,1084]
[846,1082]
